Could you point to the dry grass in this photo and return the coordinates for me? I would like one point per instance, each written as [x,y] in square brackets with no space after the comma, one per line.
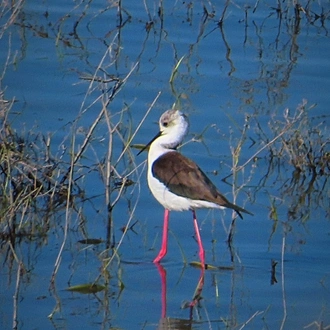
[29,181]
[36,182]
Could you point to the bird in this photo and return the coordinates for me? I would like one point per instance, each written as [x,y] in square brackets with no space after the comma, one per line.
[176,181]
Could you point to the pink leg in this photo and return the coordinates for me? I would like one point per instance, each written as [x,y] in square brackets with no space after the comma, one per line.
[163,249]
[198,291]
[162,273]
[199,241]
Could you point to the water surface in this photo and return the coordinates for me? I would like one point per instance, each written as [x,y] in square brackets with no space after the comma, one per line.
[258,83]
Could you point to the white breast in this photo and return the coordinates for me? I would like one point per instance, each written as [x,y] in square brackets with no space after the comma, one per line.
[169,200]
[174,202]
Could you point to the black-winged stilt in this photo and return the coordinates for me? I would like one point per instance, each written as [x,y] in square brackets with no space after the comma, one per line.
[176,181]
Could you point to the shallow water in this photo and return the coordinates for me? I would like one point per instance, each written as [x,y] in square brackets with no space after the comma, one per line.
[235,84]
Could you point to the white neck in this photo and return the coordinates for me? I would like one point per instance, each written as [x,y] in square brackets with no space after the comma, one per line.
[171,137]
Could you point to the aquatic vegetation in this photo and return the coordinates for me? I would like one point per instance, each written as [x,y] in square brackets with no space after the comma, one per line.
[72,203]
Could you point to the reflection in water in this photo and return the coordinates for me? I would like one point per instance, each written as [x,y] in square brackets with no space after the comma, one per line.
[95,69]
[175,323]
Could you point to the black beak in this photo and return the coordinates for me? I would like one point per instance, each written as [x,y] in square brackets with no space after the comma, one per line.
[147,145]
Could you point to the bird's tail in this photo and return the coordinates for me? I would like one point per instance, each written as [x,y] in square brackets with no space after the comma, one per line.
[238,210]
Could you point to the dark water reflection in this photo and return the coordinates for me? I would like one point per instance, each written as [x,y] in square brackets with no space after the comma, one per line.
[254,80]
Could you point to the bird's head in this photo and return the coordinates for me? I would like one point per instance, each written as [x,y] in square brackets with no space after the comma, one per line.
[173,127]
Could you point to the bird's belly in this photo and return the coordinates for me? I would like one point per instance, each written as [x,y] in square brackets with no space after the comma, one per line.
[173,202]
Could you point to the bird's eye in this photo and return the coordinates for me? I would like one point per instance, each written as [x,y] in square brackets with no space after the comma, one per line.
[165,123]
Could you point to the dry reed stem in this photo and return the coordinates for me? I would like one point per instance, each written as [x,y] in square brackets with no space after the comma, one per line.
[267,145]
[116,249]
[283,282]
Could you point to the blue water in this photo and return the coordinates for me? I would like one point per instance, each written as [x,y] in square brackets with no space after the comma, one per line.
[257,68]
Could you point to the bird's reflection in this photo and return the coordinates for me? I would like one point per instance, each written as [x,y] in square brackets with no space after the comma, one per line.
[176,323]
